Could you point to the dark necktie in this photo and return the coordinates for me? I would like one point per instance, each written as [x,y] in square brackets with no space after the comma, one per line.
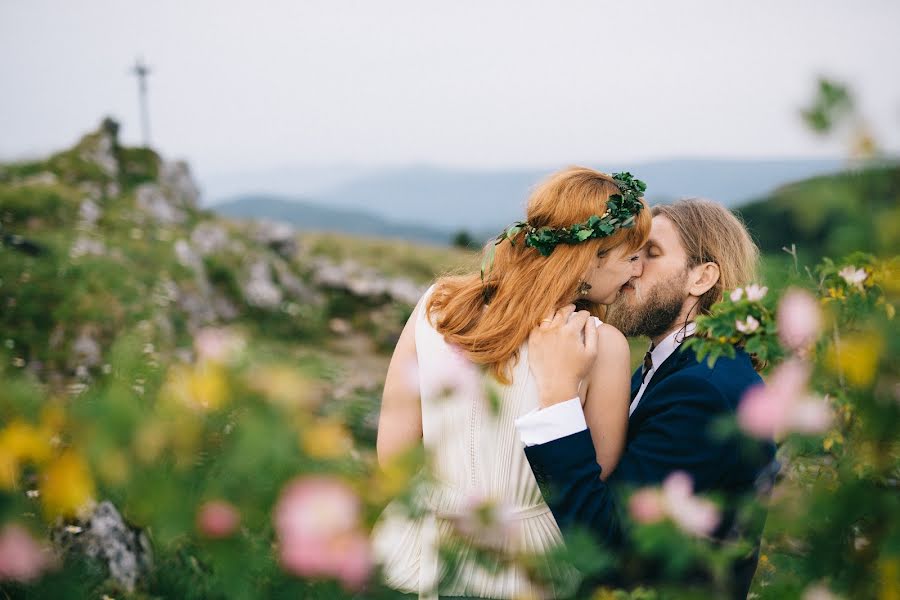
[648,364]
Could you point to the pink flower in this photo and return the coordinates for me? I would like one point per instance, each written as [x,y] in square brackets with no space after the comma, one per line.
[218,345]
[737,294]
[784,404]
[756,292]
[455,378]
[693,515]
[853,276]
[21,557]
[646,506]
[316,507]
[748,326]
[218,519]
[811,415]
[799,319]
[317,521]
[486,522]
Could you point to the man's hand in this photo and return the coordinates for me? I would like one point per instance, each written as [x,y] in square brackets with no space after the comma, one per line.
[561,352]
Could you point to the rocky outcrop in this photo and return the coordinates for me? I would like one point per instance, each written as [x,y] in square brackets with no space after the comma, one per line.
[364,282]
[107,538]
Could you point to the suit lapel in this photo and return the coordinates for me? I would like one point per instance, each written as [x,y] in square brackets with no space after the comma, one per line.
[676,361]
[635,382]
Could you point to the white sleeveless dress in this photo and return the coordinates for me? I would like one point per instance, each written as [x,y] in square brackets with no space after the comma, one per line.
[476,453]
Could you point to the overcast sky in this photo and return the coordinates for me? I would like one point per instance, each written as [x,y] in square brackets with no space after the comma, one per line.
[251,85]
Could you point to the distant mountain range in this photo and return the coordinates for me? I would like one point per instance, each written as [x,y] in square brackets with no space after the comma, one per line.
[308,216]
[429,203]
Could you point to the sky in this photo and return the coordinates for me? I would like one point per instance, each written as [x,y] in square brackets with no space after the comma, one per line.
[238,86]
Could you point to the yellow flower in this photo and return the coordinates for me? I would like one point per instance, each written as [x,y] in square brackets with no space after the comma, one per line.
[201,387]
[326,439]
[856,357]
[21,443]
[66,486]
[285,387]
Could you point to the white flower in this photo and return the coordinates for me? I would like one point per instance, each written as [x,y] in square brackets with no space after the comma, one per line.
[854,276]
[755,292]
[748,326]
[737,294]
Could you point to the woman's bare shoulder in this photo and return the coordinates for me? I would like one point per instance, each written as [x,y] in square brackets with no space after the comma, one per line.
[611,340]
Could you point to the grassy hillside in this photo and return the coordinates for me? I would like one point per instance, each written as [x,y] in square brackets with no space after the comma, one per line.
[831,215]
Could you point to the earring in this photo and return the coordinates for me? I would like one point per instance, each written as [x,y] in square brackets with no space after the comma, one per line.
[583,288]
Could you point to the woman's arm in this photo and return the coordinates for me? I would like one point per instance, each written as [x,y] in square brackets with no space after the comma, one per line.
[400,423]
[607,397]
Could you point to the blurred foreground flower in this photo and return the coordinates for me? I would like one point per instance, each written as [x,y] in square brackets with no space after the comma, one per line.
[22,558]
[486,522]
[67,488]
[317,521]
[218,345]
[327,439]
[21,443]
[200,387]
[783,404]
[218,519]
[285,387]
[675,500]
[799,319]
[856,357]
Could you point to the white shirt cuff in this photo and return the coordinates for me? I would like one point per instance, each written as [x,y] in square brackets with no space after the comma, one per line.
[547,424]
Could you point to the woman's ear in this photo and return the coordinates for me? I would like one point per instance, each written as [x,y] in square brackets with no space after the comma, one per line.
[703,277]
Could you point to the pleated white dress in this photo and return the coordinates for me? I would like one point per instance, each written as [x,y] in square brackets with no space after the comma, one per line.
[475,453]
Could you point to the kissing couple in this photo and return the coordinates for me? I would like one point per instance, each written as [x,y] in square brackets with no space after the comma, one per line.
[570,430]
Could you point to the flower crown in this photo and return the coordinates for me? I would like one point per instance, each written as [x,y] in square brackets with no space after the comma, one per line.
[621,210]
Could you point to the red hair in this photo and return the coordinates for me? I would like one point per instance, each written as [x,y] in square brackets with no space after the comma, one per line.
[523,286]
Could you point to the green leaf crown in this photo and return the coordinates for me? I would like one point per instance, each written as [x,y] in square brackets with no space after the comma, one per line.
[621,210]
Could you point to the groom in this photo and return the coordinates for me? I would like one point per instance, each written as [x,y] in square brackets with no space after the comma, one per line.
[697,251]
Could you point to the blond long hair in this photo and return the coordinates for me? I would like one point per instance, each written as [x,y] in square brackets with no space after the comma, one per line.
[523,286]
[711,233]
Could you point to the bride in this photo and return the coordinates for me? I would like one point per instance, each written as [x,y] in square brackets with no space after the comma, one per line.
[466,342]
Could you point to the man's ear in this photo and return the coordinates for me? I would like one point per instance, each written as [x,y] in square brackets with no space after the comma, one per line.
[703,277]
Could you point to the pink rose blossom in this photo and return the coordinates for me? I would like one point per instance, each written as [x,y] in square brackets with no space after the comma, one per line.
[21,557]
[693,515]
[756,292]
[646,506]
[799,319]
[486,521]
[218,519]
[317,520]
[737,294]
[316,507]
[784,404]
[853,276]
[748,326]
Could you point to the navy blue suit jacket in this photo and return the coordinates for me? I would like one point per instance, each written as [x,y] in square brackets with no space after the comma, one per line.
[670,430]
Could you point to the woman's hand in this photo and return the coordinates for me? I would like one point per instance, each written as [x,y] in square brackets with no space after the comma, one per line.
[561,353]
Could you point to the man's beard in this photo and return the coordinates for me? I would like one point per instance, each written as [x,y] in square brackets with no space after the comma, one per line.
[651,312]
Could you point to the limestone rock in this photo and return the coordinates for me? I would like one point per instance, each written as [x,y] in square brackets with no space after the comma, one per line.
[106,537]
[178,185]
[259,289]
[151,199]
[210,238]
[280,237]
